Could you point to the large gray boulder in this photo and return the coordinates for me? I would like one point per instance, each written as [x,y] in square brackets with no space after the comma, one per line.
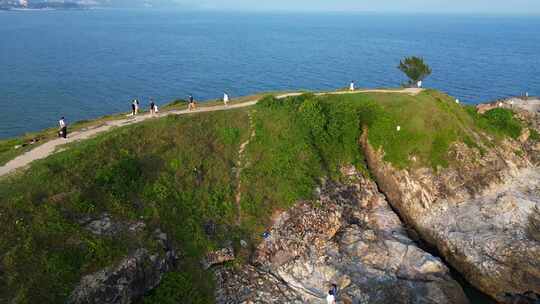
[218,257]
[477,213]
[127,281]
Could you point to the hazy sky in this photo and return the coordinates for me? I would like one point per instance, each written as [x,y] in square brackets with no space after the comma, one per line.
[442,6]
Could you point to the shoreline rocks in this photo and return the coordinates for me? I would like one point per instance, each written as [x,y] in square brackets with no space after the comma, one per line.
[475,213]
[349,237]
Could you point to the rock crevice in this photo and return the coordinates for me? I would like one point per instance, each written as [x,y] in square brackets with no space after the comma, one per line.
[475,212]
[349,237]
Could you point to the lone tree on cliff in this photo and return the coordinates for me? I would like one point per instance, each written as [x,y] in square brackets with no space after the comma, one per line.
[415,69]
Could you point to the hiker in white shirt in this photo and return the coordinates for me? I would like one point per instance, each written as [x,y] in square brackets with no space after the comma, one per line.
[351,86]
[419,84]
[63,128]
[136,106]
[330,299]
[332,293]
[225,98]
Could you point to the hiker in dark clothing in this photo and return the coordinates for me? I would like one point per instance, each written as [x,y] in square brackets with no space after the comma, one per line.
[152,107]
[133,106]
[191,104]
[136,106]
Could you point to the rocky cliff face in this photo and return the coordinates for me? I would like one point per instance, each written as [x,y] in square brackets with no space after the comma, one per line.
[132,277]
[349,237]
[476,213]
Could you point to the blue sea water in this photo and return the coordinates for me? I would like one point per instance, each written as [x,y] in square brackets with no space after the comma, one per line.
[87,63]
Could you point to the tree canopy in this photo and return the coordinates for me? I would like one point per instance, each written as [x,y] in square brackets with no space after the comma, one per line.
[415,68]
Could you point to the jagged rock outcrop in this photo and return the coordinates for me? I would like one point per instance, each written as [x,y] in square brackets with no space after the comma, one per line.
[218,257]
[130,279]
[349,237]
[252,285]
[476,213]
[104,225]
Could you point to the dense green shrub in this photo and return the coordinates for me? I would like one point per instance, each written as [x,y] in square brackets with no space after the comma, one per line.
[503,120]
[498,121]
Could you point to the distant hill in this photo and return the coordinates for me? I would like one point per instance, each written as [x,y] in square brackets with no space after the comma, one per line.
[10,4]
[71,4]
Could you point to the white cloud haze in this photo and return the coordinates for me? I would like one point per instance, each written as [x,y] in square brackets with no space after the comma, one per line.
[419,6]
[392,6]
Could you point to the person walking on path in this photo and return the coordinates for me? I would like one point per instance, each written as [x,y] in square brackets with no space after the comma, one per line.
[351,86]
[136,106]
[225,98]
[152,108]
[63,128]
[133,108]
[191,104]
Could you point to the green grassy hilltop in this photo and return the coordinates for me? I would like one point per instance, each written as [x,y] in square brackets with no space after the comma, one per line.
[179,173]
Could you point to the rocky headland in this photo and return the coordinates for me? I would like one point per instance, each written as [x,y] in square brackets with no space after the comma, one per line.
[380,224]
[481,215]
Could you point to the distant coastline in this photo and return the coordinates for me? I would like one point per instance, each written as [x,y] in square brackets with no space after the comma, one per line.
[17,9]
[43,7]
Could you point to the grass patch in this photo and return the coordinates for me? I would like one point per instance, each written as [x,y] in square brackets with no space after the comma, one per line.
[298,140]
[182,287]
[174,173]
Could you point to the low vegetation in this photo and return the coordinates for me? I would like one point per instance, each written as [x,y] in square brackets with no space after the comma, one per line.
[498,121]
[534,136]
[178,174]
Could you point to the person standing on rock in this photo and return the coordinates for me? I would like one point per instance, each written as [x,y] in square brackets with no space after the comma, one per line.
[332,293]
[63,128]
[225,98]
[330,298]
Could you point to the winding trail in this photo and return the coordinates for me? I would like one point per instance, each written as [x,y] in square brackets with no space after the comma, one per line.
[53,146]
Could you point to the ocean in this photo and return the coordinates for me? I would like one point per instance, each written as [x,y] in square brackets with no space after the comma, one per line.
[82,64]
